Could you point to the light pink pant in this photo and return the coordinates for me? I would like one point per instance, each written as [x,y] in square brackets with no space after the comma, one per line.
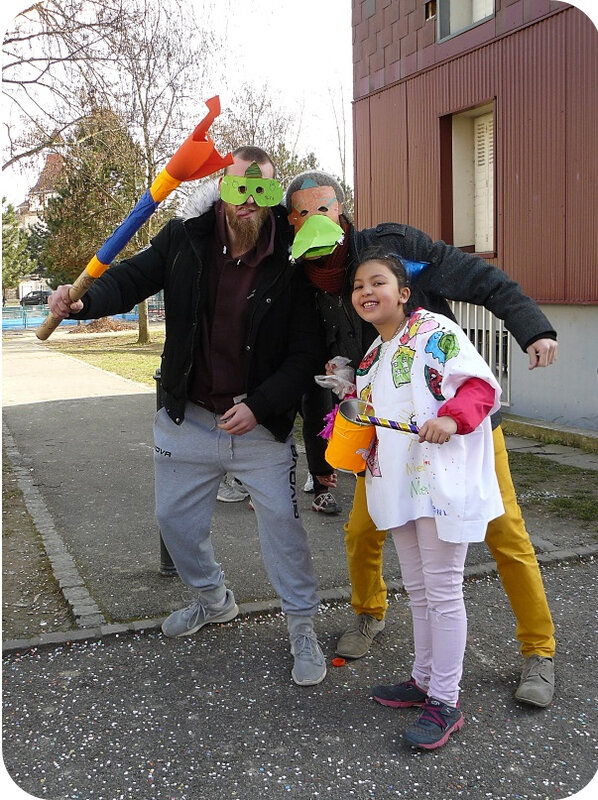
[432,572]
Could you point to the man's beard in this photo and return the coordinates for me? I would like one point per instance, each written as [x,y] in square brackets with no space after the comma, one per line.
[246,230]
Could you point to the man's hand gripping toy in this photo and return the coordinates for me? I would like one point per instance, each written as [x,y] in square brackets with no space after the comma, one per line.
[195,158]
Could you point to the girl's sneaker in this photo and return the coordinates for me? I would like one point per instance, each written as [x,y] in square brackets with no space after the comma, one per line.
[434,726]
[400,695]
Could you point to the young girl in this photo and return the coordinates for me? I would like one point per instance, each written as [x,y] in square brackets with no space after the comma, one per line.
[434,492]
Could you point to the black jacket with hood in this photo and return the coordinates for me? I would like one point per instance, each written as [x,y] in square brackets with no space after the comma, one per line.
[446,273]
[283,344]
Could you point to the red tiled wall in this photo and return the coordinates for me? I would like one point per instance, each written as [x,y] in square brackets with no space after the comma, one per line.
[392,39]
[542,82]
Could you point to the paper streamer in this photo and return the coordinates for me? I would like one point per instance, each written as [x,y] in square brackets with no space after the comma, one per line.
[387,423]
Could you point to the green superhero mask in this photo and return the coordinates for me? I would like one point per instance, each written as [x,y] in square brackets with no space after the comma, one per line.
[235,189]
[317,237]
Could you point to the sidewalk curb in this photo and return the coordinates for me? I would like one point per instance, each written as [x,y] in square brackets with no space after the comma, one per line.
[84,609]
[332,596]
[546,433]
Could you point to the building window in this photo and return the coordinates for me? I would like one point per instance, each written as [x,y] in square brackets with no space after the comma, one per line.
[456,16]
[467,164]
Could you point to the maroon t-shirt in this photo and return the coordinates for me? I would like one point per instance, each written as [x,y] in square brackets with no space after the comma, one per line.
[219,361]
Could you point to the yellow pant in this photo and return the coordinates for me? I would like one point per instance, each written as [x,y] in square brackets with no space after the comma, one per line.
[507,539]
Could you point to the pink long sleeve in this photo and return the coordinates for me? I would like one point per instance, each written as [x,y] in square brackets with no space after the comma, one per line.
[471,403]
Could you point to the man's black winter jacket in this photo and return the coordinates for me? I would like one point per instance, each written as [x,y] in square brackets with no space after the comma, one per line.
[284,338]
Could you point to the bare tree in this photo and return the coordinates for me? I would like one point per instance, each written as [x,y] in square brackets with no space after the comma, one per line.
[50,53]
[163,62]
[341,131]
[258,117]
[144,59]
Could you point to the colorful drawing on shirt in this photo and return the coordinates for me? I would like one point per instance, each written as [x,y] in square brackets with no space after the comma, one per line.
[371,459]
[439,512]
[442,346]
[414,468]
[434,382]
[366,393]
[368,361]
[418,324]
[401,364]
[417,474]
[418,488]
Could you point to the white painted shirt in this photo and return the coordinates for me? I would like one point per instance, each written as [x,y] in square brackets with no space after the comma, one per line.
[408,379]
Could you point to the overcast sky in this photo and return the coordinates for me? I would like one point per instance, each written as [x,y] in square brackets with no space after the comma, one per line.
[305,54]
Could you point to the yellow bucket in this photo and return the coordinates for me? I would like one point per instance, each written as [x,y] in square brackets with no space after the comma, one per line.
[349,436]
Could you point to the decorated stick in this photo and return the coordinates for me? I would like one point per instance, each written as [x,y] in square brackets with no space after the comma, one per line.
[195,158]
[387,423]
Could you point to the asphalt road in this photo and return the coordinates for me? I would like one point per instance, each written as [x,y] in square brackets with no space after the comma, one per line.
[217,715]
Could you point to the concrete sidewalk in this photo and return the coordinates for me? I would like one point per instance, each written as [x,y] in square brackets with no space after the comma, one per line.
[32,373]
[80,440]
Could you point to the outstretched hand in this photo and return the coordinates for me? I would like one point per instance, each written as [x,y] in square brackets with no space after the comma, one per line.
[542,353]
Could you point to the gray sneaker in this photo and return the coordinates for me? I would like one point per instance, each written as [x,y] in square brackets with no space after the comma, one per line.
[189,620]
[355,642]
[309,667]
[536,686]
[231,491]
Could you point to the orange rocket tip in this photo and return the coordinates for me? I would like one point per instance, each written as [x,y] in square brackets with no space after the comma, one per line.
[196,157]
[213,104]
[214,163]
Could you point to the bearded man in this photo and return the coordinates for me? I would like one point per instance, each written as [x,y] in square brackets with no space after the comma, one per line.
[242,345]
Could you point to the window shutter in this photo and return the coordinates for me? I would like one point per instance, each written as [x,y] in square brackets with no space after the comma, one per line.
[484,183]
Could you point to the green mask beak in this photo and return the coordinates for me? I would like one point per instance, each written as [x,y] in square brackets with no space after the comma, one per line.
[317,237]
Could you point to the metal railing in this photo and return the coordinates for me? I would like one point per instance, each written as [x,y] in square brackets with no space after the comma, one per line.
[25,317]
[488,335]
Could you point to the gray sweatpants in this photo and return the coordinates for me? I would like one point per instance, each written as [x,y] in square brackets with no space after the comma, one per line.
[190,459]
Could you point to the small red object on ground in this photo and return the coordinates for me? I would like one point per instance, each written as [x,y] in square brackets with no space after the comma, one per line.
[338,662]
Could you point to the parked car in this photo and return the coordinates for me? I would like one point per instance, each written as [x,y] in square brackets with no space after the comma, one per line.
[36,298]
